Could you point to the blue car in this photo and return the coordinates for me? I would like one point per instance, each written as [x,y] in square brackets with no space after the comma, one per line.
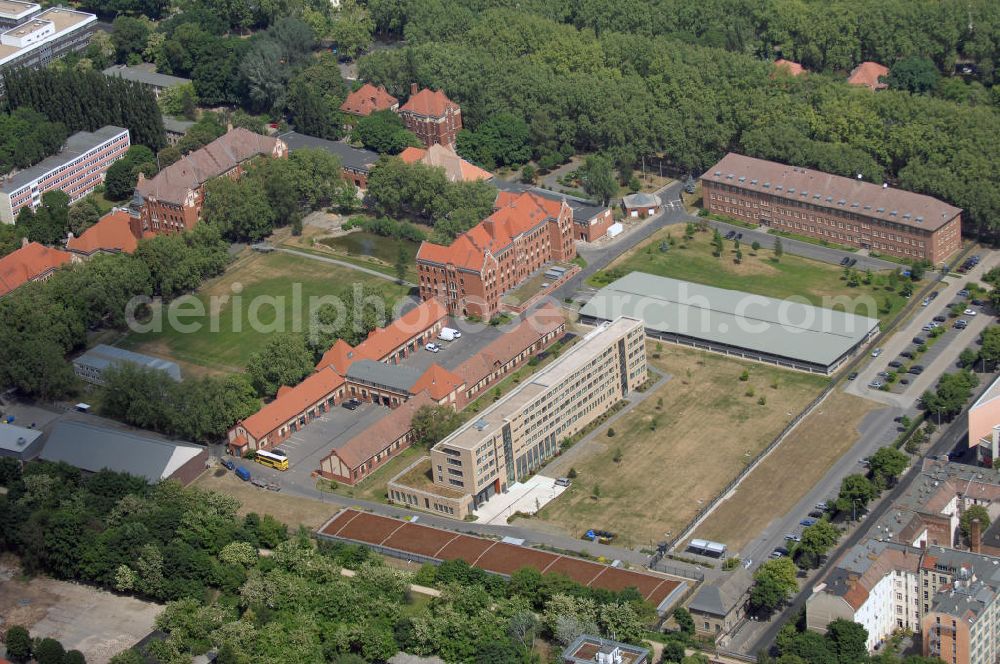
[807,522]
[229,465]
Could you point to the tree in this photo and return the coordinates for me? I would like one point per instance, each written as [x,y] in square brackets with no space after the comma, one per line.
[18,643]
[598,178]
[284,360]
[673,651]
[779,249]
[503,140]
[352,30]
[383,132]
[856,491]
[990,350]
[402,262]
[128,35]
[431,424]
[121,178]
[915,74]
[128,657]
[970,513]
[74,657]
[817,539]
[49,651]
[849,641]
[811,647]
[886,465]
[179,100]
[239,209]
[774,582]
[684,621]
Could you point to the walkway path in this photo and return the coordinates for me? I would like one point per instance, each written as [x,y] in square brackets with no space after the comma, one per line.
[350,266]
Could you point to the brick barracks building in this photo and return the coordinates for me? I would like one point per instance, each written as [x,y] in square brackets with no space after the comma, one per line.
[432,117]
[472,274]
[828,207]
[170,202]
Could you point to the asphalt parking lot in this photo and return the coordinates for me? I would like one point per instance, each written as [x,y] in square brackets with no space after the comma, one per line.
[475,337]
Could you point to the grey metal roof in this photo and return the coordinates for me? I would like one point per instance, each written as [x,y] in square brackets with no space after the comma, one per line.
[641,200]
[17,439]
[102,356]
[583,210]
[175,126]
[783,328]
[76,145]
[145,77]
[393,376]
[722,596]
[353,158]
[93,447]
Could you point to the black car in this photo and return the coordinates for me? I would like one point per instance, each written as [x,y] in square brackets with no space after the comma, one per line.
[895,364]
[904,381]
[916,370]
[846,260]
[852,375]
[907,354]
[940,319]
[351,404]
[816,514]
[979,303]
[853,262]
[739,236]
[920,341]
[730,235]
[934,295]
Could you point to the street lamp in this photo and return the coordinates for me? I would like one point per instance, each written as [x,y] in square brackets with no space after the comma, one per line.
[854,509]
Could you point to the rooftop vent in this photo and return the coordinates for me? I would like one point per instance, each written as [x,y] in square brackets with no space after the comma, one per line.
[880,210]
[791,190]
[729,177]
[778,187]
[480,424]
[804,193]
[743,178]
[841,201]
[868,207]
[767,185]
[817,196]
[854,205]
[920,220]
[754,181]
[907,215]
[893,213]
[718,173]
[829,199]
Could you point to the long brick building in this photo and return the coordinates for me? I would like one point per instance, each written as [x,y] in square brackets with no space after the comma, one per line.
[171,201]
[432,116]
[829,207]
[473,272]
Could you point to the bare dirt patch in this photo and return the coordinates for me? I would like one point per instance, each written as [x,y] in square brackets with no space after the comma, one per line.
[811,449]
[679,448]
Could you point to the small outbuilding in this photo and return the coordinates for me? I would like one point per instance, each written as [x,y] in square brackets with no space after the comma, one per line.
[718,607]
[641,205]
[20,443]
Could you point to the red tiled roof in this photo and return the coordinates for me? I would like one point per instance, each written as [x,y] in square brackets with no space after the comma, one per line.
[455,168]
[31,261]
[382,342]
[515,214]
[868,74]
[111,232]
[367,99]
[375,438]
[432,103]
[438,381]
[293,401]
[340,356]
[792,68]
[218,157]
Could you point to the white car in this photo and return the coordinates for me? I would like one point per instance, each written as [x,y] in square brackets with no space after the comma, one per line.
[876,352]
[970,312]
[433,347]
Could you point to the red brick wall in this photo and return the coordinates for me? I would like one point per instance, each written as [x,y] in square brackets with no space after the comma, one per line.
[190,471]
[594,228]
[443,130]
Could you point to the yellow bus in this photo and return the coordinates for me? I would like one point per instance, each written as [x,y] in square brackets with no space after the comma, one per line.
[274,459]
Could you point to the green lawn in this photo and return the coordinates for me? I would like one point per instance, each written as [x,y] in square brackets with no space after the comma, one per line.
[760,274]
[374,251]
[269,285]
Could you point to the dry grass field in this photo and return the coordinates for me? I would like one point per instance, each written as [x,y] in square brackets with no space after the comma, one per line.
[290,510]
[679,447]
[810,450]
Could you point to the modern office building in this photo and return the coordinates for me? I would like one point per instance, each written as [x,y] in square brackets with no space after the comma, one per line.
[432,116]
[984,425]
[36,39]
[515,436]
[77,169]
[753,327]
[91,365]
[836,209]
[472,273]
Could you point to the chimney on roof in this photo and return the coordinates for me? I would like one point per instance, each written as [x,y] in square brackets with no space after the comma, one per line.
[976,536]
[413,88]
[488,226]
[69,236]
[859,176]
[885,185]
[24,242]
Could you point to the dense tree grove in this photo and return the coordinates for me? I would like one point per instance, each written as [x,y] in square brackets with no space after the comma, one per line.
[27,137]
[120,180]
[689,80]
[88,100]
[42,321]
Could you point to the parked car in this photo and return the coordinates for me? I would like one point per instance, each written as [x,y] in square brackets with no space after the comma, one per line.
[243,473]
[228,464]
[351,404]
[969,312]
[792,537]
[963,293]
[807,522]
[904,381]
[433,347]
[920,341]
[979,303]
[563,481]
[907,354]
[895,364]
[816,514]
[822,506]
[925,302]
[853,262]
[940,319]
[961,324]
[852,375]
[934,294]
[739,236]
[876,352]
[916,370]
[928,327]
[875,384]
[779,552]
[845,260]
[730,235]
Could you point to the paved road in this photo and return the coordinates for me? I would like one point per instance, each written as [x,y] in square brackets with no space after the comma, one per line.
[765,633]
[938,360]
[350,266]
[807,249]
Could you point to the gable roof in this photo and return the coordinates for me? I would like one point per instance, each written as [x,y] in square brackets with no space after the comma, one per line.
[112,232]
[367,99]
[583,209]
[515,215]
[438,382]
[30,262]
[721,597]
[432,103]
[868,74]
[789,67]
[339,356]
[356,159]
[382,342]
[140,75]
[375,438]
[455,168]
[396,377]
[190,172]
[293,401]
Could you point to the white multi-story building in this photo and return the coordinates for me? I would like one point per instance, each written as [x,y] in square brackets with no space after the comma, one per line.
[33,39]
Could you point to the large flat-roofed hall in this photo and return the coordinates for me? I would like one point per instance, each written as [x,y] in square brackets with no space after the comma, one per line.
[785,332]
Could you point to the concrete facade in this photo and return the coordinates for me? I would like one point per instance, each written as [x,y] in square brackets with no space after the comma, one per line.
[836,209]
[39,39]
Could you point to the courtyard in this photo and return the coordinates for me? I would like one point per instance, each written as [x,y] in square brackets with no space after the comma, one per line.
[677,449]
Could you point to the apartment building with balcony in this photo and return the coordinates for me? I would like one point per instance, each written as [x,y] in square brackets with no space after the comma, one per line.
[34,39]
[77,170]
[840,210]
[514,437]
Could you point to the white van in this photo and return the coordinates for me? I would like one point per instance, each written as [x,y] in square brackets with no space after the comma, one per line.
[449,334]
